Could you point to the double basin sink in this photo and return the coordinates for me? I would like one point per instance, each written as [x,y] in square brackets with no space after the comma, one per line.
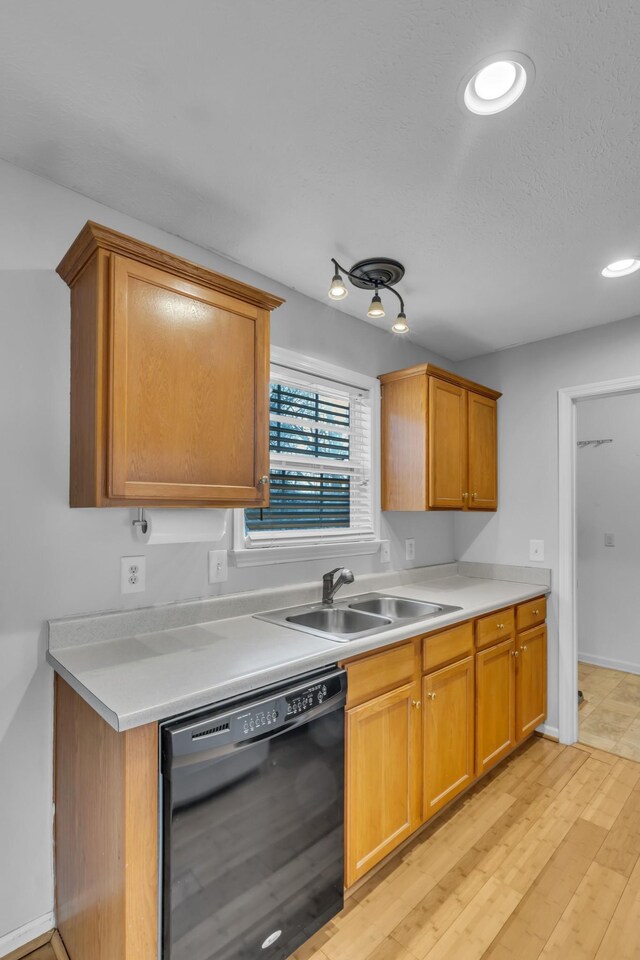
[355,617]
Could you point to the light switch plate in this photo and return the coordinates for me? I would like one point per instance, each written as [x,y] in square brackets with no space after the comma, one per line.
[385,552]
[218,569]
[536,550]
[609,540]
[410,549]
[133,574]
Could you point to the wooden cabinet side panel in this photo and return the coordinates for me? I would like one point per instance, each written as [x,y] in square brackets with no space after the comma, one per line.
[448,446]
[381,771]
[89,373]
[141,842]
[531,681]
[404,444]
[448,704]
[483,453]
[106,856]
[495,704]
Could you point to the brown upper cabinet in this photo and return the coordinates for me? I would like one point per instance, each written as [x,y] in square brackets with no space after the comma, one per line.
[169,379]
[439,441]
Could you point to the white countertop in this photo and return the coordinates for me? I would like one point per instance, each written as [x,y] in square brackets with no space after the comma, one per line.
[149,677]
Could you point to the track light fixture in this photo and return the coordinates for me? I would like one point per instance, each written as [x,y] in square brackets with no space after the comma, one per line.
[375,274]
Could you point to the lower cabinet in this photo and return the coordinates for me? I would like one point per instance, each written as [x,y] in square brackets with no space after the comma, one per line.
[448,708]
[382,777]
[495,704]
[531,680]
[429,716]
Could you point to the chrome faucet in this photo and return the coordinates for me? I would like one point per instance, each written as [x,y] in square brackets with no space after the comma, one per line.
[329,588]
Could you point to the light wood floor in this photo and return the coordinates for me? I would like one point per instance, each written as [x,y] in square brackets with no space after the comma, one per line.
[541,859]
[609,718]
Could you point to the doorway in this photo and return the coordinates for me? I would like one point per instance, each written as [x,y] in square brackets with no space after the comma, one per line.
[569,400]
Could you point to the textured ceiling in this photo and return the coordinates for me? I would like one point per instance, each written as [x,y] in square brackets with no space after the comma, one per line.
[284,132]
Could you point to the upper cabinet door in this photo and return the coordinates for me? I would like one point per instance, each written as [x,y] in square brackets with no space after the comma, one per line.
[188,390]
[447,440]
[483,453]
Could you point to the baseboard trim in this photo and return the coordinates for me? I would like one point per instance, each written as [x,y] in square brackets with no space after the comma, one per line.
[32,935]
[610,664]
[551,733]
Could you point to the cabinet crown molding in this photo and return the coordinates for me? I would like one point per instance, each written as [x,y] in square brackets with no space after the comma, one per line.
[430,370]
[94,236]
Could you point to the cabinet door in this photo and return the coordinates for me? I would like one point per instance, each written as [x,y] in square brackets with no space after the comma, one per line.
[188,390]
[483,453]
[383,777]
[495,704]
[531,680]
[448,740]
[447,426]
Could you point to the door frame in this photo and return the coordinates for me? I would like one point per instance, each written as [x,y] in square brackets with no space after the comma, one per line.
[568,399]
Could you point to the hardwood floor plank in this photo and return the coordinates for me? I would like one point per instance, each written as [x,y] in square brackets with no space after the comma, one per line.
[622,940]
[532,923]
[608,802]
[579,932]
[621,848]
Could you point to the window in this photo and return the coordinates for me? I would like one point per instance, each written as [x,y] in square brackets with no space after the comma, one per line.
[321,476]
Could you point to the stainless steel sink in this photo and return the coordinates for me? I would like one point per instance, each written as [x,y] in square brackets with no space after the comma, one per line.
[354,617]
[397,607]
[340,621]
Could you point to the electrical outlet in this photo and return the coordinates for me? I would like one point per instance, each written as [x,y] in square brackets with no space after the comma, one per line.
[385,552]
[536,550]
[133,574]
[609,540]
[218,570]
[410,549]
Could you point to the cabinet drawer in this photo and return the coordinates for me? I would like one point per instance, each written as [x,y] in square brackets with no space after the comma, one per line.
[371,676]
[531,613]
[441,648]
[495,627]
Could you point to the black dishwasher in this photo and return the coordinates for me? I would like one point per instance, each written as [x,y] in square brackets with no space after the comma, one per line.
[252,822]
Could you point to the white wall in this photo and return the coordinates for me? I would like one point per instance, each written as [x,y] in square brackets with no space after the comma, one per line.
[608,485]
[530,377]
[55,561]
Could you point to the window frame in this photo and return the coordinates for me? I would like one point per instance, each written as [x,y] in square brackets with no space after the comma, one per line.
[314,545]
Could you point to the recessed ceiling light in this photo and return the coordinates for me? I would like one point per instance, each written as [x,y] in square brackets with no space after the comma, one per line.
[496,83]
[621,268]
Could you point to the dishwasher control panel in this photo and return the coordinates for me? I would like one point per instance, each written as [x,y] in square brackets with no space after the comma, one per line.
[257,718]
[305,700]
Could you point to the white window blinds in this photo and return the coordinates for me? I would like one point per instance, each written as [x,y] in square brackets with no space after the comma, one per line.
[320,470]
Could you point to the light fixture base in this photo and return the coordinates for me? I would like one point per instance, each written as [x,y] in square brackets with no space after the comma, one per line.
[367,274]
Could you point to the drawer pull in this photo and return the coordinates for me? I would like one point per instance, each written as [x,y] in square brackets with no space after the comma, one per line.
[534,613]
[500,626]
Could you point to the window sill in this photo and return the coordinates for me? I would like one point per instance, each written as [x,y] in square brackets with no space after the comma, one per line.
[261,556]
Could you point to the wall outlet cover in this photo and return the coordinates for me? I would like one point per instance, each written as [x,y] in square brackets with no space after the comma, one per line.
[410,549]
[218,568]
[133,574]
[609,540]
[385,552]
[536,550]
